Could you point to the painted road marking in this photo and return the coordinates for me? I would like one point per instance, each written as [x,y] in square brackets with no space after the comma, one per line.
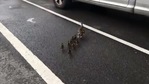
[31,20]
[48,76]
[92,29]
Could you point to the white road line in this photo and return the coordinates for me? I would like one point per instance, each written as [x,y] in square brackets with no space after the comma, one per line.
[48,76]
[93,29]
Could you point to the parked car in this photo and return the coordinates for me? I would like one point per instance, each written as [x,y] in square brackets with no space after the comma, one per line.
[133,6]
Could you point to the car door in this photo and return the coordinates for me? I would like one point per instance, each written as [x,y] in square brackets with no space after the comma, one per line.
[122,3]
[142,7]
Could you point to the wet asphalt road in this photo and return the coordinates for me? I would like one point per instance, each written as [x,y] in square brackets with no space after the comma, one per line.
[13,68]
[98,59]
[120,24]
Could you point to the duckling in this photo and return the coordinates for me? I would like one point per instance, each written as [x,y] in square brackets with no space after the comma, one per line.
[62,46]
[82,30]
[72,41]
[78,35]
[69,51]
[77,41]
[69,45]
[73,46]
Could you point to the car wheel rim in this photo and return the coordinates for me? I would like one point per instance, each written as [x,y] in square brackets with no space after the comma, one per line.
[59,2]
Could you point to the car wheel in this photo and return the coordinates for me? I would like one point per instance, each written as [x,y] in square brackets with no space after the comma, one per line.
[62,3]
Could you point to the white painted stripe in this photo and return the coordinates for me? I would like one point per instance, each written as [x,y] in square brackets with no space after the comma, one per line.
[48,76]
[93,29]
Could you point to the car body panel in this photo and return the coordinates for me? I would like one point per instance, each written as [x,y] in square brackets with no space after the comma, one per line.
[110,4]
[133,6]
[142,7]
[125,2]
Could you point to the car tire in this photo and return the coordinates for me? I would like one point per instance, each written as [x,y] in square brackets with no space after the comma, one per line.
[62,4]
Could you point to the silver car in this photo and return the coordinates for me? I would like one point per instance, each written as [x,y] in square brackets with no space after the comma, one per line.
[133,6]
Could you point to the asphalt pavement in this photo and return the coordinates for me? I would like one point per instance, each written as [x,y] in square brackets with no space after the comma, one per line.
[120,24]
[13,68]
[97,59]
